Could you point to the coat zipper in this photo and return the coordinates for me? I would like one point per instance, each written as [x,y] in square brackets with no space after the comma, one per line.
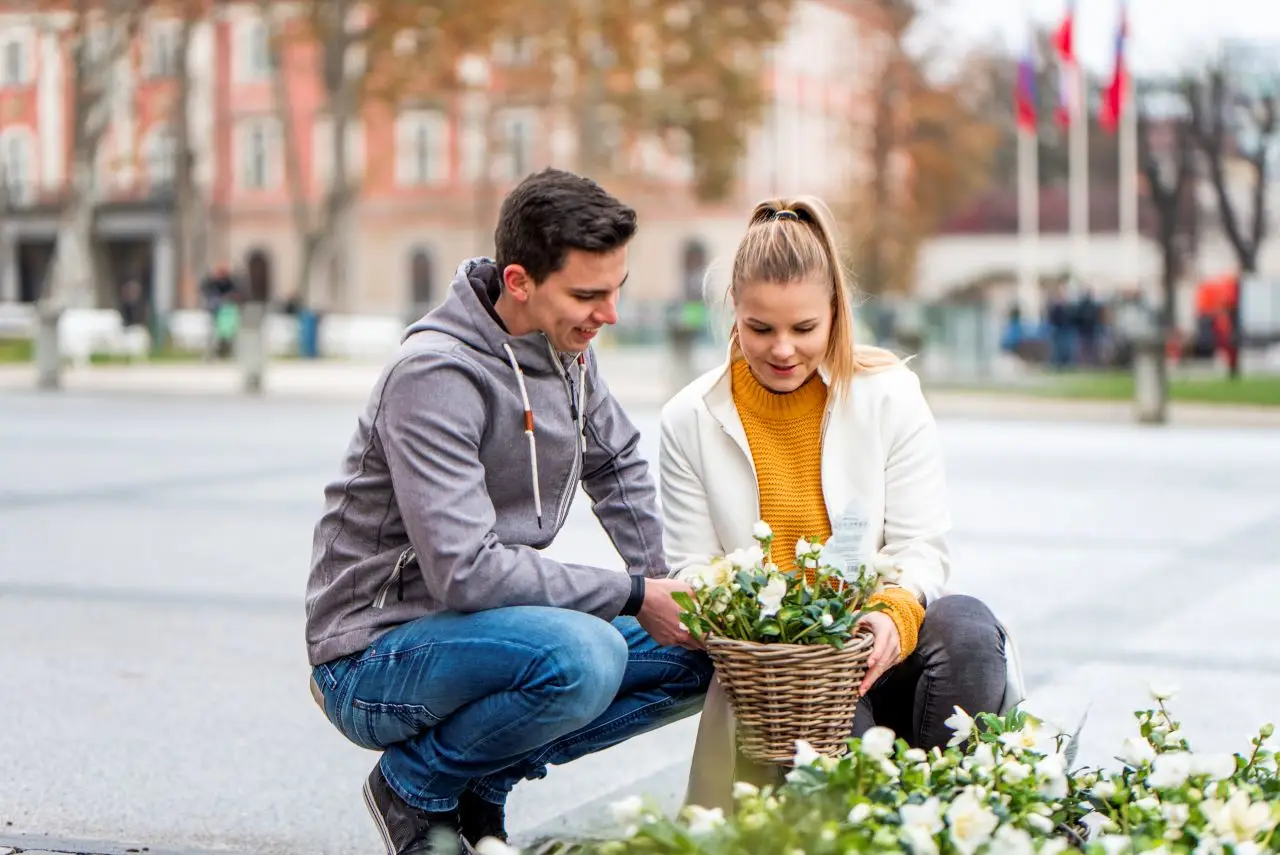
[576,470]
[397,579]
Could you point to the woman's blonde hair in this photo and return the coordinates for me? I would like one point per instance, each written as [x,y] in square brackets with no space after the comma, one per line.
[792,239]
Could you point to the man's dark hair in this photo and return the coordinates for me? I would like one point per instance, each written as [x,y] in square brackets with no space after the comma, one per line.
[552,212]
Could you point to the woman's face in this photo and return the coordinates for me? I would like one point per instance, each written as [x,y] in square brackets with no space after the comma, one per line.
[783,330]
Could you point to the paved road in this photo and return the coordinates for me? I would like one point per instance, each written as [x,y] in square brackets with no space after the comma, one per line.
[153,553]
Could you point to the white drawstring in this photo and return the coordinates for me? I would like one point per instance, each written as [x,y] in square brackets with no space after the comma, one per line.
[582,399]
[528,430]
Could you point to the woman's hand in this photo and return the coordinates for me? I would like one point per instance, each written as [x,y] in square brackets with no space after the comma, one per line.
[885,651]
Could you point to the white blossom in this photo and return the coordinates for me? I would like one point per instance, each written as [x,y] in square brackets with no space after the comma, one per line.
[970,821]
[1052,771]
[1161,691]
[962,723]
[1170,770]
[627,811]
[494,846]
[1216,766]
[761,530]
[805,755]
[771,595]
[860,813]
[746,558]
[1009,840]
[1105,789]
[1238,819]
[744,790]
[1014,772]
[703,820]
[878,742]
[1135,751]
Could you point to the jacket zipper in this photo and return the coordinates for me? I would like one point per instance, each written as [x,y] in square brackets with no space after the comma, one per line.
[576,470]
[397,578]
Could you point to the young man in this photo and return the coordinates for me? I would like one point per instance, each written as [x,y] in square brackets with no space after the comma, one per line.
[437,632]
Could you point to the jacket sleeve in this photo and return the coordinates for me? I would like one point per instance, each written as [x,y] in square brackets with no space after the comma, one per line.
[916,515]
[686,511]
[430,423]
[617,479]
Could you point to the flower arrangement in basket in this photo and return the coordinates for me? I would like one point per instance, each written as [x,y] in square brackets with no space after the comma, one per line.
[788,650]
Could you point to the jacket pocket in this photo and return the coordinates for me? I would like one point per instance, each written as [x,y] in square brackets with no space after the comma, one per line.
[396,580]
[376,725]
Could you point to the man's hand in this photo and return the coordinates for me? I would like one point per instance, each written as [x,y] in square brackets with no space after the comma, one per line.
[885,651]
[660,615]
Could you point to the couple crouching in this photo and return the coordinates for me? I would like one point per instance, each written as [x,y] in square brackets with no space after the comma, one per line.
[440,636]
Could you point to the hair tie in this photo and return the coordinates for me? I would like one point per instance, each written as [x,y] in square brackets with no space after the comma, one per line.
[786,215]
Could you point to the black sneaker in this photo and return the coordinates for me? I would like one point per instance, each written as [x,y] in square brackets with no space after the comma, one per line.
[478,819]
[406,830]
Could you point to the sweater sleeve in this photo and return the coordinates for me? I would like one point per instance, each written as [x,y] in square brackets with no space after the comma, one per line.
[907,615]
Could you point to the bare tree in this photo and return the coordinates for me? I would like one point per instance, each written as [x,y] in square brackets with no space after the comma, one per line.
[97,39]
[188,251]
[1223,124]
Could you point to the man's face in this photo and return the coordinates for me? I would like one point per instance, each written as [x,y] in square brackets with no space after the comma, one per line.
[572,304]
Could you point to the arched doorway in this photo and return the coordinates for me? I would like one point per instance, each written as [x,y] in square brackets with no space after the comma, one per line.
[258,285]
[693,269]
[422,294]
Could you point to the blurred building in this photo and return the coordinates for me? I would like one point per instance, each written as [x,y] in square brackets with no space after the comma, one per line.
[429,181]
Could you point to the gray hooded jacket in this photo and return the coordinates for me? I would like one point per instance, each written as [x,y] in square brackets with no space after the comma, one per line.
[436,508]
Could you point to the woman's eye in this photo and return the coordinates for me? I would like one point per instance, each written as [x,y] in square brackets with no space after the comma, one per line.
[805,329]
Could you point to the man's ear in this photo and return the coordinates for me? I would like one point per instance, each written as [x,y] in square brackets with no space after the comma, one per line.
[517,282]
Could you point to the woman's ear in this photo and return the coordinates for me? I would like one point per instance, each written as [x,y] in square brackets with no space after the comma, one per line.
[517,282]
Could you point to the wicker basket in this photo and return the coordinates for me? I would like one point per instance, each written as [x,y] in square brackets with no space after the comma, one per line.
[784,692]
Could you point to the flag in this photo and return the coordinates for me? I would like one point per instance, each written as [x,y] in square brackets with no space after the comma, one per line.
[1024,94]
[1113,98]
[1064,45]
[1064,36]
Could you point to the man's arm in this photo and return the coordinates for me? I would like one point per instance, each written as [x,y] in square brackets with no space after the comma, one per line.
[617,479]
[430,420]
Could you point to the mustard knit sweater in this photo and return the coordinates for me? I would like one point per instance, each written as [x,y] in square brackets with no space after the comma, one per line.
[784,432]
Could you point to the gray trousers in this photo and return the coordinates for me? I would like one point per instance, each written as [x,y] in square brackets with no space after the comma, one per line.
[958,661]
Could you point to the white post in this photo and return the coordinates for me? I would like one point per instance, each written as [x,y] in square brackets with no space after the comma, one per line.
[1079,166]
[1029,224]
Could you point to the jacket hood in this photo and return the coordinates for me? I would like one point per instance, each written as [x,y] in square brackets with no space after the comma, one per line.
[468,315]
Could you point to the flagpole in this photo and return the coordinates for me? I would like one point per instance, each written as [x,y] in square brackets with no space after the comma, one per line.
[1029,224]
[1130,240]
[1079,174]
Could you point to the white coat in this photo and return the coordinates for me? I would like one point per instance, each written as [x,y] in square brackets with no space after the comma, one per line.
[883,481]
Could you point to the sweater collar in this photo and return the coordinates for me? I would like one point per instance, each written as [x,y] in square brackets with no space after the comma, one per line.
[752,397]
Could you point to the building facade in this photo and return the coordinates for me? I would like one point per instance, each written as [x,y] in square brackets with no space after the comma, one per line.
[430,177]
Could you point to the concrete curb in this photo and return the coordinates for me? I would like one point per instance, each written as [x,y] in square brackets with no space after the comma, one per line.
[40,845]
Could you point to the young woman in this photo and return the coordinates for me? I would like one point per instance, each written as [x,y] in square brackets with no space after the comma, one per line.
[820,437]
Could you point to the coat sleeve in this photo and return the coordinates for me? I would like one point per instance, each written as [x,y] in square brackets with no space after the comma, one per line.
[916,515]
[688,533]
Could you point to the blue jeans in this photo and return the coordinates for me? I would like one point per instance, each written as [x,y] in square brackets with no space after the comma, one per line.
[479,701]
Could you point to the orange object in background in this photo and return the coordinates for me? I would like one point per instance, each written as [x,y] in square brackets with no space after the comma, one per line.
[1218,294]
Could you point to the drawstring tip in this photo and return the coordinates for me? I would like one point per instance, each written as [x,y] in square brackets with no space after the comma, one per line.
[539,520]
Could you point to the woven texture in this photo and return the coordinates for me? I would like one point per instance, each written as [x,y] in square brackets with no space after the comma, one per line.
[784,692]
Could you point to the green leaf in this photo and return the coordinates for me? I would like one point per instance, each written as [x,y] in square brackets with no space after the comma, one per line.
[685,601]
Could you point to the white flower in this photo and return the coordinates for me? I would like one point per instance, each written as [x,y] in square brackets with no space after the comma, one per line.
[827,620]
[1114,844]
[1170,770]
[860,813]
[1135,751]
[1009,840]
[878,742]
[886,567]
[761,530]
[971,822]
[805,755]
[771,595]
[1042,824]
[627,811]
[1033,736]
[1216,766]
[962,723]
[494,846]
[1052,771]
[744,790]
[1053,846]
[713,575]
[916,755]
[926,816]
[1104,790]
[984,756]
[919,841]
[1161,691]
[746,558]
[1014,772]
[1176,815]
[703,821]
[1238,819]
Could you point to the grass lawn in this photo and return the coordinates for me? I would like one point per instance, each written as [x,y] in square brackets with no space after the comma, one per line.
[1258,390]
[21,350]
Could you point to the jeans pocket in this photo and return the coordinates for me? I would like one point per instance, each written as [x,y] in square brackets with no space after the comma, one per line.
[376,725]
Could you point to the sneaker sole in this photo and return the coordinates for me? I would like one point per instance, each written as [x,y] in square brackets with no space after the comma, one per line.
[377,820]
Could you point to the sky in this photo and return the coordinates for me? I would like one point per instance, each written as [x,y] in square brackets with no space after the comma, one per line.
[1165,36]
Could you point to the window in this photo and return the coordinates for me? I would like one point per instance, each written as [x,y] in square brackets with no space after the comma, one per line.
[161,56]
[421,285]
[474,142]
[16,59]
[421,148]
[259,154]
[323,154]
[159,152]
[17,159]
[253,51]
[517,144]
